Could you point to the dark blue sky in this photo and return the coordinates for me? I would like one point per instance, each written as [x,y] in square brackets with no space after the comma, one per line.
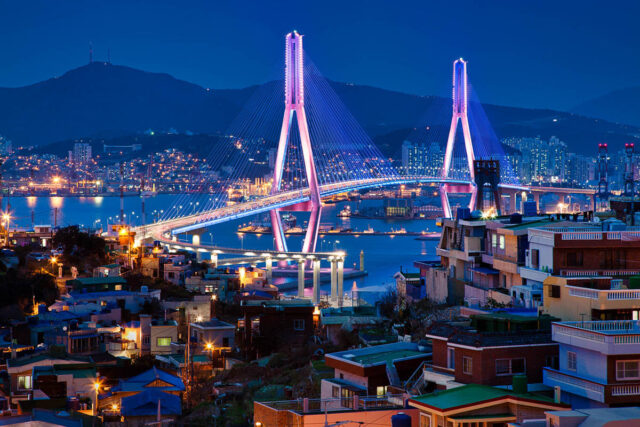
[527,53]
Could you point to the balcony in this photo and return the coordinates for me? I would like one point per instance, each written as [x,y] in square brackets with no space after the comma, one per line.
[605,294]
[534,274]
[607,337]
[352,403]
[574,385]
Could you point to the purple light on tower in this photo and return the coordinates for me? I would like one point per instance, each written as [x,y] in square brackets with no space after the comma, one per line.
[459,115]
[294,107]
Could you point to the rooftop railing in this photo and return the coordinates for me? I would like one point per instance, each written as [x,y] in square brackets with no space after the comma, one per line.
[354,403]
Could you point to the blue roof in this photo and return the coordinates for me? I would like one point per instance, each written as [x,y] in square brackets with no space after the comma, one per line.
[146,404]
[142,382]
[485,270]
[92,295]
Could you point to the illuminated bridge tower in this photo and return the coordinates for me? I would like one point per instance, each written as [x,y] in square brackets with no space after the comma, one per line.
[459,115]
[294,107]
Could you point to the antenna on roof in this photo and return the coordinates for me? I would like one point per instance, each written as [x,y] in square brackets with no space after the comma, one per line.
[90,53]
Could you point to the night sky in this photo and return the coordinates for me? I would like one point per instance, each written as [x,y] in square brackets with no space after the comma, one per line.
[534,53]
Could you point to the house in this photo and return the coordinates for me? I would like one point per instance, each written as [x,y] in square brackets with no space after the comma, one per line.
[599,363]
[215,332]
[111,270]
[21,372]
[436,280]
[488,349]
[151,336]
[136,398]
[65,380]
[97,284]
[334,320]
[475,404]
[163,333]
[176,272]
[359,410]
[266,326]
[590,298]
[409,285]
[40,236]
[371,370]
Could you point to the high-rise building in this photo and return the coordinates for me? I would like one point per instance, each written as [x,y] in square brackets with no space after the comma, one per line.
[422,159]
[81,153]
[6,146]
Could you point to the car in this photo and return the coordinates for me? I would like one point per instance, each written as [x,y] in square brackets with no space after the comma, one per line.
[37,257]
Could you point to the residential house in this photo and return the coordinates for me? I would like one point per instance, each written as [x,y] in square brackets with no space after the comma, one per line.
[488,349]
[481,405]
[215,332]
[266,326]
[409,286]
[602,417]
[372,370]
[599,363]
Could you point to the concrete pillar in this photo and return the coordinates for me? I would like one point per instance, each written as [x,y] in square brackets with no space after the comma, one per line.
[301,278]
[316,281]
[334,278]
[269,263]
[340,275]
[214,260]
[536,198]
[361,260]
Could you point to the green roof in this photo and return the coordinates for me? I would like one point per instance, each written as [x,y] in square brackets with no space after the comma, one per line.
[386,356]
[471,394]
[78,370]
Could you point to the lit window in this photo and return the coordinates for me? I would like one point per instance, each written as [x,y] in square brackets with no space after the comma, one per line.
[381,390]
[164,341]
[493,240]
[502,242]
[467,365]
[24,382]
[572,361]
[628,369]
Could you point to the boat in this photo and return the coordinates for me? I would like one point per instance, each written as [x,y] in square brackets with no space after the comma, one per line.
[345,212]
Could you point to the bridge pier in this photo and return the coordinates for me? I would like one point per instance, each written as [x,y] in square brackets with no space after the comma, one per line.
[301,263]
[316,282]
[214,259]
[269,266]
[334,278]
[340,275]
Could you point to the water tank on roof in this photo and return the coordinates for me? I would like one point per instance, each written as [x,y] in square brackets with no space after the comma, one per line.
[463,213]
[515,218]
[401,420]
[520,384]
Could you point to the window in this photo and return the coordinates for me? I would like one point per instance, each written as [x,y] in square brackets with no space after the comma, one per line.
[381,390]
[298,324]
[501,242]
[425,420]
[467,365]
[553,291]
[24,382]
[572,361]
[225,342]
[493,240]
[535,258]
[574,258]
[146,339]
[551,362]
[627,369]
[335,391]
[451,358]
[510,366]
[163,341]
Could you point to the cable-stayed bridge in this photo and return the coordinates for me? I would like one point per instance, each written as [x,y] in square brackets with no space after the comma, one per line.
[322,151]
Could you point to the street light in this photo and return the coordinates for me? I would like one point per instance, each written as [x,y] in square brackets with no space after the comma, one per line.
[209,346]
[53,261]
[6,218]
[96,387]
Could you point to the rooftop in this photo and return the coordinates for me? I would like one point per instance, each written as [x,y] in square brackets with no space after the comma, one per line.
[84,281]
[379,354]
[213,323]
[282,302]
[473,394]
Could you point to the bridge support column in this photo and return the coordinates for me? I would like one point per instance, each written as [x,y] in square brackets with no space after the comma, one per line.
[316,281]
[269,265]
[340,275]
[214,259]
[301,263]
[361,260]
[536,198]
[334,278]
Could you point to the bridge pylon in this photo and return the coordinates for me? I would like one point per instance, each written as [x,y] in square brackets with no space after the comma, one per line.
[294,108]
[460,99]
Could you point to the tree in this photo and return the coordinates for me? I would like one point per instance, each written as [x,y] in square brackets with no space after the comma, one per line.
[80,248]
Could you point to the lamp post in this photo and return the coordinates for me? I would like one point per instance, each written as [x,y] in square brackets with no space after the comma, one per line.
[6,218]
[209,346]
[53,261]
[96,387]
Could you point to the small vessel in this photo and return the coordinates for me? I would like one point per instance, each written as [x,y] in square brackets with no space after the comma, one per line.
[345,212]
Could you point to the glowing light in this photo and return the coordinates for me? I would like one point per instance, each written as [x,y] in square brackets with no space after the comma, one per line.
[489,213]
[209,346]
[199,318]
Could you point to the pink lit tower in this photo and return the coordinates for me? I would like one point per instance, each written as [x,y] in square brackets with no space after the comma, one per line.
[294,107]
[459,115]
